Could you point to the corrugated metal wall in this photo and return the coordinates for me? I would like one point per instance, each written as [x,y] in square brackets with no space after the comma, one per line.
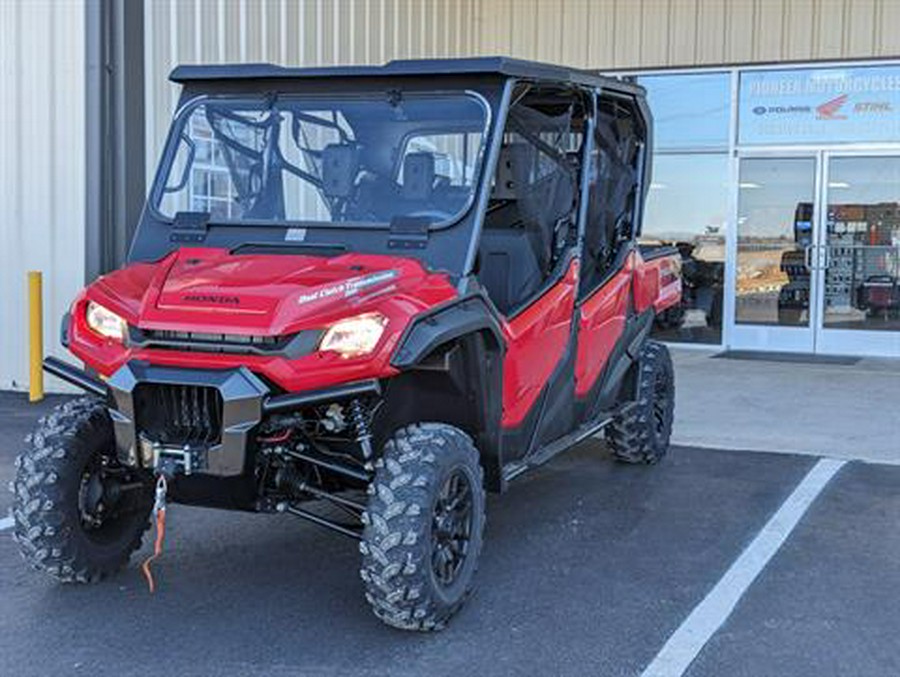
[293,32]
[655,33]
[601,34]
[42,160]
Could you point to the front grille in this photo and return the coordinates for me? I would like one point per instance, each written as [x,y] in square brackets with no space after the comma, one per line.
[238,339]
[291,346]
[178,414]
[198,341]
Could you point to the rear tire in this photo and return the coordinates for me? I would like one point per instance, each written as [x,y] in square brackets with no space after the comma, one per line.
[423,527]
[65,522]
[641,433]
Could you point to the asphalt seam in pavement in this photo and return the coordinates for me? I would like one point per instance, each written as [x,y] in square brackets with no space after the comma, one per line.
[707,617]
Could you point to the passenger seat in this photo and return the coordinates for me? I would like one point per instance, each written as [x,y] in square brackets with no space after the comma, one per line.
[510,270]
[509,267]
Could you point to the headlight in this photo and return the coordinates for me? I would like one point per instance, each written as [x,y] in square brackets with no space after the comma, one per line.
[105,322]
[354,336]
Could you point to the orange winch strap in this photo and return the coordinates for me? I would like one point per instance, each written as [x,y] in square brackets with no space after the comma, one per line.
[157,548]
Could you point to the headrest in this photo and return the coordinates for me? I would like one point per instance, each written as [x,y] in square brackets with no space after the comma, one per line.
[340,166]
[512,166]
[418,176]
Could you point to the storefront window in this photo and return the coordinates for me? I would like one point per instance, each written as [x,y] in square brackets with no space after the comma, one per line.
[690,111]
[687,208]
[688,199]
[862,244]
[774,233]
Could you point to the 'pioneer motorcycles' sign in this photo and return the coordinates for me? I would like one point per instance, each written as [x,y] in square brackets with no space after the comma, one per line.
[820,106]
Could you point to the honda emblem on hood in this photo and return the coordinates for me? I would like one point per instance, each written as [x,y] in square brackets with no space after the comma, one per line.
[212,298]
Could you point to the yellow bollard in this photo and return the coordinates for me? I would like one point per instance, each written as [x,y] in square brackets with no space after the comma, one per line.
[35,337]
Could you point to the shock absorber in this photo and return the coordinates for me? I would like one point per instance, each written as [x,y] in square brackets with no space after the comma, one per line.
[358,416]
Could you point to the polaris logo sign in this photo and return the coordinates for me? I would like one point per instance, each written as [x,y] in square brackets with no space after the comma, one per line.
[763,110]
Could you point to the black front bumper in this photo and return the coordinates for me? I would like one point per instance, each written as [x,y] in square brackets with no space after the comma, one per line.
[193,420]
[236,409]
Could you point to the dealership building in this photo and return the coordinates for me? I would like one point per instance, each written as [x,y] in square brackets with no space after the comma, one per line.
[776,165]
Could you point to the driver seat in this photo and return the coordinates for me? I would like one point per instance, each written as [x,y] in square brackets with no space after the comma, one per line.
[417,184]
[418,178]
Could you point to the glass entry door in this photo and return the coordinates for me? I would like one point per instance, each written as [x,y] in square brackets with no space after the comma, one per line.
[774,292]
[859,269]
[817,254]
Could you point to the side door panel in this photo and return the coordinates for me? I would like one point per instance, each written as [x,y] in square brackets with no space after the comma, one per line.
[606,311]
[536,342]
[601,321]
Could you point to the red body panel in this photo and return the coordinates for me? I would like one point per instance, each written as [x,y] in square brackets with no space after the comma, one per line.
[536,341]
[657,282]
[212,291]
[601,321]
[657,286]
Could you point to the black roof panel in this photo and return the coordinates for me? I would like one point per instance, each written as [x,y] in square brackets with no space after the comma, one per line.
[499,65]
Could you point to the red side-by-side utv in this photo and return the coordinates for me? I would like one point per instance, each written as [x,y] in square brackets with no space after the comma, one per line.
[362,296]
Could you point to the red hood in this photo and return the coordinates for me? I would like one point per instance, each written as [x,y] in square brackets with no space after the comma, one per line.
[211,290]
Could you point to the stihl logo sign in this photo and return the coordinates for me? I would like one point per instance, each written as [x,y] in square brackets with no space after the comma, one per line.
[873,107]
[830,109]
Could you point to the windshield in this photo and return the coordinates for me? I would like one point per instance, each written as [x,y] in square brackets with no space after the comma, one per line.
[364,160]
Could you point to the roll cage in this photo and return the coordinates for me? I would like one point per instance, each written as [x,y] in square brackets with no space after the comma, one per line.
[568,183]
[508,88]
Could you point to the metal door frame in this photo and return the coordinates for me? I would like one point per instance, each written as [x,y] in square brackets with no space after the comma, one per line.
[772,337]
[846,341]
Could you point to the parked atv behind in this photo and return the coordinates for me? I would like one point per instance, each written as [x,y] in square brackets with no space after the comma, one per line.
[384,290]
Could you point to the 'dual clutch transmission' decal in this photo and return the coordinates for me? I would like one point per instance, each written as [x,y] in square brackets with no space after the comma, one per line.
[349,287]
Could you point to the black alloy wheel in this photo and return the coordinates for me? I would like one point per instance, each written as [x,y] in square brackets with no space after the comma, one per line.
[108,497]
[451,527]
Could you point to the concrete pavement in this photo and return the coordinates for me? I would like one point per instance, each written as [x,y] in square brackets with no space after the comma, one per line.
[842,411]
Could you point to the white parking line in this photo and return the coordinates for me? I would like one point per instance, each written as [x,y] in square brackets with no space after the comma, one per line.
[708,616]
[6,523]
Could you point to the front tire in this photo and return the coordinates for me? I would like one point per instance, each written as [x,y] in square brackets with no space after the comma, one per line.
[641,433]
[73,520]
[424,527]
